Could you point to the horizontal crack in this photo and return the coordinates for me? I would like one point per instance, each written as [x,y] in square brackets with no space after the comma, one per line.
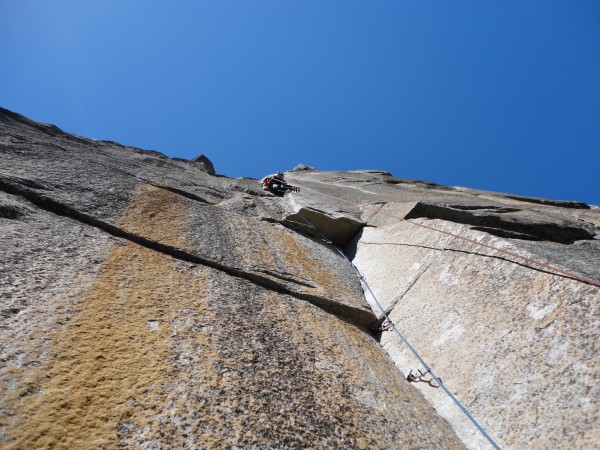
[360,317]
[520,228]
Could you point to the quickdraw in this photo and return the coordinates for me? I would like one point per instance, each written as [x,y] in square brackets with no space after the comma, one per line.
[418,378]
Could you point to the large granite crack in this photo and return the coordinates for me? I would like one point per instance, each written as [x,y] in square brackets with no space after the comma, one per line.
[360,317]
[505,222]
[549,202]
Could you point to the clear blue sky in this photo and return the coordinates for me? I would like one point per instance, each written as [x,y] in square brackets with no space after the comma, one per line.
[499,95]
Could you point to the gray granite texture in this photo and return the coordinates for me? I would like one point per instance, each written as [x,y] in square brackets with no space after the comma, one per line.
[149,303]
[499,294]
[146,303]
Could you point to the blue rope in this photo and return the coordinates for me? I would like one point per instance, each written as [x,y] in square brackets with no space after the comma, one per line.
[387,318]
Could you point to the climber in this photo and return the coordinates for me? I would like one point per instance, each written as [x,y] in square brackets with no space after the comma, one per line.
[276,184]
[274,181]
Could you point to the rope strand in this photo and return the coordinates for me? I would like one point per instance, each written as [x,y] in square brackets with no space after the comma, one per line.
[387,318]
[556,270]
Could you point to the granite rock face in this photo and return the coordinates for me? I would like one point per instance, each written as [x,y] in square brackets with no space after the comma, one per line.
[149,304]
[514,333]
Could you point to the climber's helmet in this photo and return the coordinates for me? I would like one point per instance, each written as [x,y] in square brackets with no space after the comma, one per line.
[280,175]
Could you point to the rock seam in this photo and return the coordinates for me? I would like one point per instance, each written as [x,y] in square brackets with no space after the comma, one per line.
[362,318]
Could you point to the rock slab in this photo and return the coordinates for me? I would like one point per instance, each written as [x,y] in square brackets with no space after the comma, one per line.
[148,304]
[516,342]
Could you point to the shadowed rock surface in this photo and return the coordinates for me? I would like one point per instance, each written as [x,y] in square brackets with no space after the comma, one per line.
[149,304]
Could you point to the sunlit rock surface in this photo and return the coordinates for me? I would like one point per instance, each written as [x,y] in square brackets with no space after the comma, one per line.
[515,341]
[149,304]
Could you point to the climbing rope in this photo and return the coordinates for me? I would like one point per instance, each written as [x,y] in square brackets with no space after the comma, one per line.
[394,328]
[556,270]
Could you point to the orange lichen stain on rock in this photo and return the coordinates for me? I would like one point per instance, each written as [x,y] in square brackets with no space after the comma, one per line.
[108,371]
[269,247]
[310,267]
[273,249]
[157,214]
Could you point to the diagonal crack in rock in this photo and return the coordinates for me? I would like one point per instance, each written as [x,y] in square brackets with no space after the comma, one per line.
[361,317]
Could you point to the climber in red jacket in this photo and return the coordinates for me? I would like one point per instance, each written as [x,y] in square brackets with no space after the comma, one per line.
[276,184]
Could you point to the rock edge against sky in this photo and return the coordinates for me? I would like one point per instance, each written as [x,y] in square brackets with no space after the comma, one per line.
[151,303]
